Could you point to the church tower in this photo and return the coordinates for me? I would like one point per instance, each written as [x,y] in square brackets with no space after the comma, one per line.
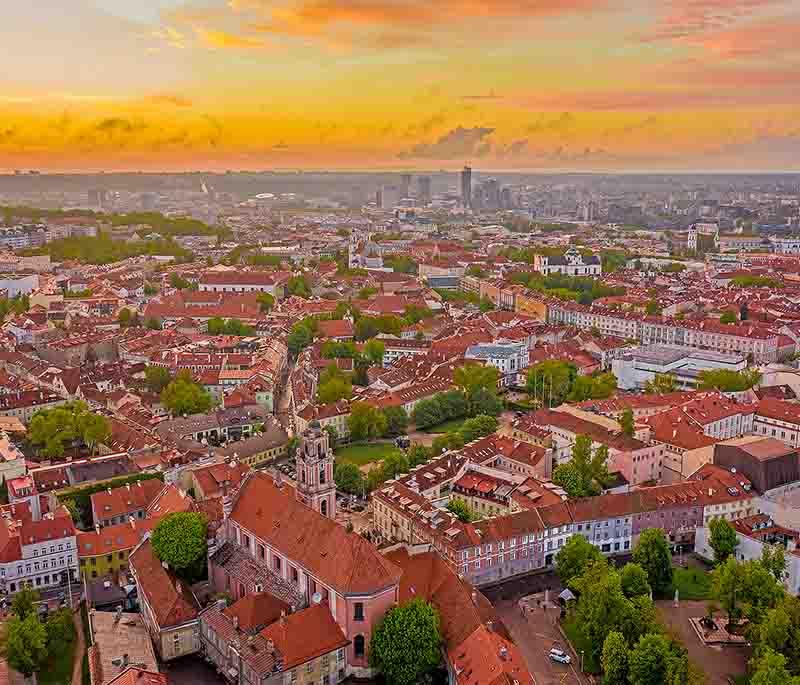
[315,485]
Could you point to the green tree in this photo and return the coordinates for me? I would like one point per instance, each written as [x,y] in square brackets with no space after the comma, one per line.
[67,424]
[153,324]
[265,302]
[722,538]
[479,384]
[349,478]
[365,422]
[128,318]
[597,387]
[157,378]
[485,401]
[406,643]
[615,659]
[24,602]
[366,327]
[726,581]
[551,381]
[769,668]
[478,427]
[333,390]
[652,308]
[299,286]
[648,662]
[300,337]
[627,423]
[726,380]
[179,539]
[374,350]
[653,555]
[25,644]
[587,472]
[396,421]
[393,465]
[575,557]
[453,404]
[728,317]
[94,430]
[428,413]
[448,441]
[183,397]
[661,384]
[418,454]
[333,435]
[461,509]
[773,558]
[60,631]
[634,581]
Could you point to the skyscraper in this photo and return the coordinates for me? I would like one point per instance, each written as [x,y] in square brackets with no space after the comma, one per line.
[405,185]
[424,190]
[466,187]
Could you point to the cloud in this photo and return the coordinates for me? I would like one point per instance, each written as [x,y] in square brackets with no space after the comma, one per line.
[223,40]
[167,99]
[460,142]
[767,38]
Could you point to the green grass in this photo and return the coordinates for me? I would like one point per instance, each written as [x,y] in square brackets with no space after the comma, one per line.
[579,641]
[365,453]
[450,426]
[691,583]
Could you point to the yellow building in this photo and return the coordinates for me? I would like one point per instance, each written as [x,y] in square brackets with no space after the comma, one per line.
[104,551]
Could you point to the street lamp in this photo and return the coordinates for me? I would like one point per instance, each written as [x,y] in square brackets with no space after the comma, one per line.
[581,661]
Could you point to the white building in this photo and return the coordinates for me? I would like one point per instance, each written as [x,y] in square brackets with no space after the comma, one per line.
[507,357]
[572,263]
[636,367]
[787,245]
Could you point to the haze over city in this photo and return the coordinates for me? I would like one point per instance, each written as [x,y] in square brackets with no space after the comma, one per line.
[400,84]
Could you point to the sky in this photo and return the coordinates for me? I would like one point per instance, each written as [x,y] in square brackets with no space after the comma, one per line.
[594,85]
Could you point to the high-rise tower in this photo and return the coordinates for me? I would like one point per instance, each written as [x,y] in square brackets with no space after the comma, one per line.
[315,485]
[466,187]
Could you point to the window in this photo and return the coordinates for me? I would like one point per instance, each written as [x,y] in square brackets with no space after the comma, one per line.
[262,552]
[358,611]
[359,646]
[276,560]
[310,667]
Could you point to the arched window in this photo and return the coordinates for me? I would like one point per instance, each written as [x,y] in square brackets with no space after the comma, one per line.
[323,507]
[359,645]
[322,476]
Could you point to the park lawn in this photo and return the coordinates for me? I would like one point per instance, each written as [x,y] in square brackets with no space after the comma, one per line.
[59,667]
[579,641]
[450,426]
[691,583]
[364,453]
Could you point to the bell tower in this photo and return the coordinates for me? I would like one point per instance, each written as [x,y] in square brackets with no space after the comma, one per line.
[314,464]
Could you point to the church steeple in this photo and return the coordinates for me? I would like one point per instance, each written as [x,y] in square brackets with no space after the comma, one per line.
[315,485]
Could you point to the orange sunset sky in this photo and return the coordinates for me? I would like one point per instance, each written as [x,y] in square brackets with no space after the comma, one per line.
[502,84]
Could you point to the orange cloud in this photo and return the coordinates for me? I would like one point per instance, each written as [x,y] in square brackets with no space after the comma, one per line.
[213,38]
[770,38]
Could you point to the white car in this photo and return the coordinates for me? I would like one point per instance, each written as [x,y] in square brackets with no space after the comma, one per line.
[559,656]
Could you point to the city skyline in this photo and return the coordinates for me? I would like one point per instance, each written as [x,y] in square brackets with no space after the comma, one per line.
[584,85]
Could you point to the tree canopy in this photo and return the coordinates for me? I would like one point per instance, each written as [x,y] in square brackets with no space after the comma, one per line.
[587,472]
[183,396]
[653,555]
[726,380]
[722,538]
[54,429]
[405,645]
[179,539]
[575,557]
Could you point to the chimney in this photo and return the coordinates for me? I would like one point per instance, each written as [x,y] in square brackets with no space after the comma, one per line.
[128,485]
[474,597]
[124,661]
[97,528]
[118,615]
[503,653]
[236,622]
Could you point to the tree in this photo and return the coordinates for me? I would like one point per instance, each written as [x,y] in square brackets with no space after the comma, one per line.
[615,659]
[374,350]
[60,631]
[333,390]
[722,538]
[448,441]
[265,302]
[396,421]
[349,478]
[747,589]
[94,429]
[551,380]
[333,434]
[393,465]
[300,337]
[649,661]
[634,581]
[479,384]
[183,397]
[652,308]
[586,473]
[153,324]
[418,454]
[597,387]
[179,539]
[428,413]
[405,645]
[157,378]
[366,327]
[127,318]
[478,427]
[725,581]
[453,404]
[627,423]
[653,555]
[25,644]
[728,317]
[485,401]
[365,422]
[769,668]
[461,509]
[65,425]
[773,558]
[726,380]
[299,286]
[24,602]
[661,384]
[575,557]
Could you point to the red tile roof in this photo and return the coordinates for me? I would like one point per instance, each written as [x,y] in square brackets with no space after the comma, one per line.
[305,635]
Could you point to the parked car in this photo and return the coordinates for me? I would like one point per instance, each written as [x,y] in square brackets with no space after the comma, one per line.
[560,656]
